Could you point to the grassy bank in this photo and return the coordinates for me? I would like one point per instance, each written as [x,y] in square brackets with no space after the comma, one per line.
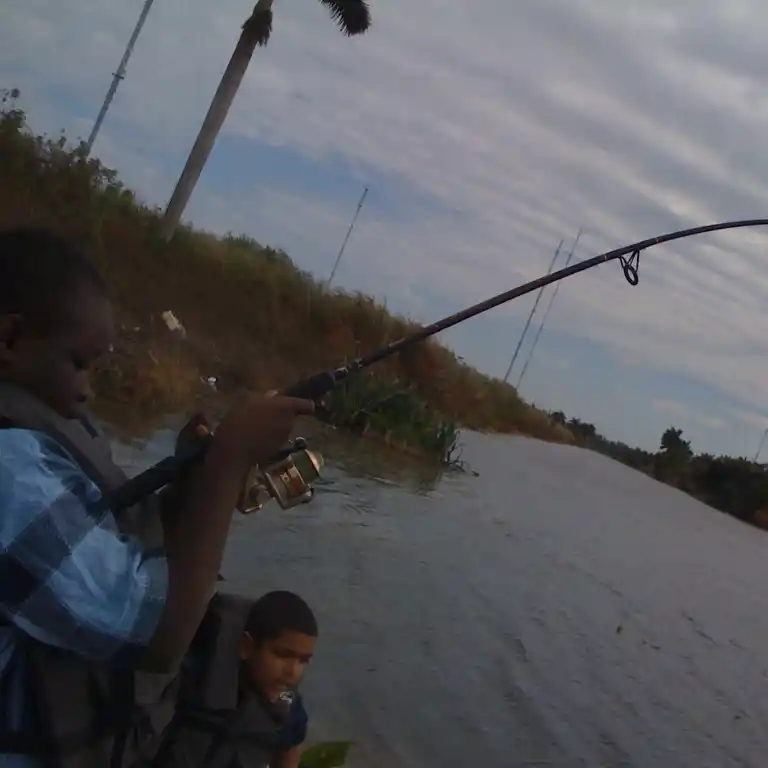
[252,318]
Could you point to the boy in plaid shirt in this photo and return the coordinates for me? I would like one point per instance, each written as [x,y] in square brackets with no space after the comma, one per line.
[81,598]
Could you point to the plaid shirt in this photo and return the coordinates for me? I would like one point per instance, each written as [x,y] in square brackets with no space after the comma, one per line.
[67,576]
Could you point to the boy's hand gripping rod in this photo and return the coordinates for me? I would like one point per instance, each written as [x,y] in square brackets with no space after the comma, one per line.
[289,476]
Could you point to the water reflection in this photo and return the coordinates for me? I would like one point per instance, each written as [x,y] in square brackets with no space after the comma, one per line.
[345,456]
[372,461]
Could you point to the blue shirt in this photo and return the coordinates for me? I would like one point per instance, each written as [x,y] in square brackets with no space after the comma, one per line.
[294,731]
[68,578]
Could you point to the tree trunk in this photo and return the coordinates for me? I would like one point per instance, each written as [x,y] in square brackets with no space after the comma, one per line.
[206,138]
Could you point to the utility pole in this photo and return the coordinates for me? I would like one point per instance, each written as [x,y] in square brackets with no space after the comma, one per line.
[546,313]
[530,316]
[118,76]
[349,232]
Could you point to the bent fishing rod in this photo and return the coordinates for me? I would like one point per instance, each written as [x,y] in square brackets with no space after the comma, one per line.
[288,476]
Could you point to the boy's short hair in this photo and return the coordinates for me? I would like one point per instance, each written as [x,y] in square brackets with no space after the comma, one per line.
[39,271]
[278,612]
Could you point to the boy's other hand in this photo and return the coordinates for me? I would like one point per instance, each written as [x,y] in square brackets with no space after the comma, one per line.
[198,426]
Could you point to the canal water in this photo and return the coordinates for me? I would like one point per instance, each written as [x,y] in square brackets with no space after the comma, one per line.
[558,609]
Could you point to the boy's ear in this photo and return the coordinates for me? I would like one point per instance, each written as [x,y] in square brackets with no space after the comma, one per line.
[10,330]
[246,646]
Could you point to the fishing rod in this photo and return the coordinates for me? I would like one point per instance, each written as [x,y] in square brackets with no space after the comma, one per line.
[288,477]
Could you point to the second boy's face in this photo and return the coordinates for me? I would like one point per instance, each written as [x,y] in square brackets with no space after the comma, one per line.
[54,366]
[276,665]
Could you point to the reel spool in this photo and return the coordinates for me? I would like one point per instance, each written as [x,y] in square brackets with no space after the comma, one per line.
[287,480]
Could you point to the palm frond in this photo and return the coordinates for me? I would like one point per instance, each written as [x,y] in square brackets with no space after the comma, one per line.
[352,16]
[260,23]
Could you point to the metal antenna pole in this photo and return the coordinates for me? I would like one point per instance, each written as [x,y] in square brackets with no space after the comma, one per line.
[546,313]
[530,316]
[118,76]
[349,232]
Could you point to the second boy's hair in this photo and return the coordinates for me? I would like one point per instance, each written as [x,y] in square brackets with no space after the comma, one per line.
[278,612]
[39,270]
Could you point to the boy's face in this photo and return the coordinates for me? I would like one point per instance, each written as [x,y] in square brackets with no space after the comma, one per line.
[275,665]
[53,362]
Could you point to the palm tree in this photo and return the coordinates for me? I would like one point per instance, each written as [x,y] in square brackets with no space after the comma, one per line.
[352,17]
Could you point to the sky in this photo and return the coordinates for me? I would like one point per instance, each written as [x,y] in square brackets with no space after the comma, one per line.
[486,132]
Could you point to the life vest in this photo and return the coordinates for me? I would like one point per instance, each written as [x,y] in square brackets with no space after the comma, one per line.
[85,715]
[218,722]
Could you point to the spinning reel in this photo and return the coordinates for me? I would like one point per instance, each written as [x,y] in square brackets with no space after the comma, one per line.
[287,479]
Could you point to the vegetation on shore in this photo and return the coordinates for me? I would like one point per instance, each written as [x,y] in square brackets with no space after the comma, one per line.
[736,486]
[252,319]
[366,403]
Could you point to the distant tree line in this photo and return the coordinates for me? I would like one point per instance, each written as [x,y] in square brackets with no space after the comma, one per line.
[736,486]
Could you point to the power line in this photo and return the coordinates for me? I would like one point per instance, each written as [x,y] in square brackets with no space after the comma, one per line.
[530,316]
[546,313]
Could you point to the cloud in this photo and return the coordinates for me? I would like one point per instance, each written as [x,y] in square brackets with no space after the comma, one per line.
[499,132]
[758,420]
[684,414]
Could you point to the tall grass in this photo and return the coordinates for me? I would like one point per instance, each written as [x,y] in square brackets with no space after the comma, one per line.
[253,319]
[366,403]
